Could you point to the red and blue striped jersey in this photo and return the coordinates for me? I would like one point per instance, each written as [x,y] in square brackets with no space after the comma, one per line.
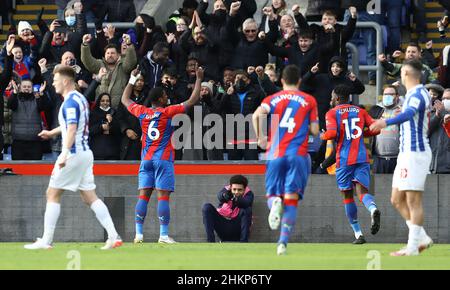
[295,111]
[349,122]
[157,130]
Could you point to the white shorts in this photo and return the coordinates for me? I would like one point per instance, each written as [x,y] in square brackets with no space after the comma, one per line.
[76,175]
[412,170]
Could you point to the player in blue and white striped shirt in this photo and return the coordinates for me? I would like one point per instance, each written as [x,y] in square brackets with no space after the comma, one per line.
[414,159]
[74,167]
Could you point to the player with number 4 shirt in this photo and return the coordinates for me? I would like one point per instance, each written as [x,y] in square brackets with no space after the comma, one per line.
[348,125]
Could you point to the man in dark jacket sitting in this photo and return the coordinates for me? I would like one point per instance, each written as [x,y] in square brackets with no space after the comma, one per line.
[233,218]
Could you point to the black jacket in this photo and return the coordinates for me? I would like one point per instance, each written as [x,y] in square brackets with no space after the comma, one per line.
[320,85]
[129,149]
[332,44]
[246,53]
[207,54]
[231,104]
[304,60]
[104,146]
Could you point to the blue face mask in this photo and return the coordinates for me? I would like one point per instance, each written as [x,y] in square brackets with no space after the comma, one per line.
[388,100]
[70,20]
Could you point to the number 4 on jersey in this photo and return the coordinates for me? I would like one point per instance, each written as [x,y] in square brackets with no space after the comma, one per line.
[287,121]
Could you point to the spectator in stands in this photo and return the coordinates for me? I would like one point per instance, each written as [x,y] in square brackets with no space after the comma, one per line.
[177,54]
[5,77]
[26,40]
[55,44]
[153,64]
[206,105]
[199,43]
[147,33]
[322,84]
[436,91]
[175,88]
[413,51]
[61,4]
[241,99]
[75,20]
[439,141]
[27,121]
[282,33]
[303,52]
[216,27]
[232,219]
[24,64]
[332,36]
[385,146]
[249,50]
[119,68]
[187,10]
[130,127]
[279,8]
[104,131]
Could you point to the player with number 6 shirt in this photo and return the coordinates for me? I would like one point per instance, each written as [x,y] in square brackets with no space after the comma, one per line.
[157,169]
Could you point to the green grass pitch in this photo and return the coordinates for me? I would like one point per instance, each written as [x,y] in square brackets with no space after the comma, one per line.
[235,256]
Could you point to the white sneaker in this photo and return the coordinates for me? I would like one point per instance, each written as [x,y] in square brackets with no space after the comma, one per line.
[425,243]
[38,245]
[275,213]
[112,243]
[404,252]
[138,239]
[281,249]
[166,240]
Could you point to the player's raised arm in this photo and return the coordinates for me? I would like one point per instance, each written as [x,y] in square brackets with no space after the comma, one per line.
[126,101]
[195,96]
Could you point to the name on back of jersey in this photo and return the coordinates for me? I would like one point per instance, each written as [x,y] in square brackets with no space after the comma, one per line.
[290,97]
[348,110]
[155,115]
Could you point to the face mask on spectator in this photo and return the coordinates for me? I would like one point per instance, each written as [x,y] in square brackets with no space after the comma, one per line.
[105,109]
[446,104]
[220,16]
[70,20]
[388,100]
[240,86]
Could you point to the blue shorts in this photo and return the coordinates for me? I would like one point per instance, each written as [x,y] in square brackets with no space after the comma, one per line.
[288,174]
[346,176]
[157,174]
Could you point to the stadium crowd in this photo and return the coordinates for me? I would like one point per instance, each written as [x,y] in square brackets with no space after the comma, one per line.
[242,60]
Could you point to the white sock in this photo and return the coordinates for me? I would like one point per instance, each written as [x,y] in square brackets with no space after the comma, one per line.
[102,214]
[51,216]
[413,238]
[423,233]
[358,234]
[408,223]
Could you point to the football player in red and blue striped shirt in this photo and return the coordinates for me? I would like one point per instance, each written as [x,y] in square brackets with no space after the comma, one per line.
[157,169]
[293,116]
[347,125]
